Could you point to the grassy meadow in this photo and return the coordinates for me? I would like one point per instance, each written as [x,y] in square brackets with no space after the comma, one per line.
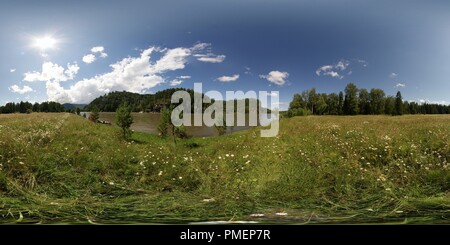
[61,168]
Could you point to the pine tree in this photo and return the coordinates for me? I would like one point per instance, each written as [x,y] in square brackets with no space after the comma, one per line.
[124,119]
[164,122]
[341,103]
[94,115]
[398,110]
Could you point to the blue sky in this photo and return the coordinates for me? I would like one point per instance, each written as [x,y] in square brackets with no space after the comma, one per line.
[73,51]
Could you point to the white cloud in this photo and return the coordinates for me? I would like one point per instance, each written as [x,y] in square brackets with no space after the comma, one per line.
[323,69]
[97,49]
[89,58]
[226,79]
[12,70]
[333,74]
[175,82]
[100,50]
[174,59]
[363,62]
[200,46]
[333,70]
[17,89]
[442,102]
[53,72]
[210,58]
[184,77]
[336,70]
[247,71]
[393,75]
[400,85]
[342,65]
[133,74]
[276,77]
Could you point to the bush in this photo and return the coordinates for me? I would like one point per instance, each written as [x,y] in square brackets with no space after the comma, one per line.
[180,132]
[298,112]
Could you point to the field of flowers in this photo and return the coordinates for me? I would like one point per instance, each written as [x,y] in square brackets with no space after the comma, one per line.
[61,168]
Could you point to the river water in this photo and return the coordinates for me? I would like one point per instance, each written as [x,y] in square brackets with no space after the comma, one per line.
[148,123]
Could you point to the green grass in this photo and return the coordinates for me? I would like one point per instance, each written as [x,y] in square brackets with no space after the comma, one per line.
[60,168]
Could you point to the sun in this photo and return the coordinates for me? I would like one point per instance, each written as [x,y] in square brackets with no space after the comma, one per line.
[45,43]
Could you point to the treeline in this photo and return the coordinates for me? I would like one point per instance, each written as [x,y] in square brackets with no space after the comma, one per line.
[151,102]
[354,101]
[138,102]
[27,107]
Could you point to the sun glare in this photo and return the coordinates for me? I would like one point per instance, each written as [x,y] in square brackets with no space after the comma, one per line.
[45,43]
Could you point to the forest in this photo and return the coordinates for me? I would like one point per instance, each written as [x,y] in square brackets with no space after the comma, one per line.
[152,102]
[27,107]
[355,101]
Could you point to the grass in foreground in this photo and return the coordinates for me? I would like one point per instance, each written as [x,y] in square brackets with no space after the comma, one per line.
[60,168]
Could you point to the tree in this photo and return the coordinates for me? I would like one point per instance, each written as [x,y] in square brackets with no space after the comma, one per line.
[351,100]
[377,100]
[297,102]
[36,107]
[341,103]
[398,109]
[364,105]
[406,109]
[164,122]
[312,100]
[124,119]
[389,105]
[333,104]
[321,104]
[94,115]
[78,111]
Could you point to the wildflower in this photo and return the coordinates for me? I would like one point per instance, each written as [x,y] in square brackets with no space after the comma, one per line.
[111,183]
[281,214]
[21,163]
[180,178]
[257,215]
[160,173]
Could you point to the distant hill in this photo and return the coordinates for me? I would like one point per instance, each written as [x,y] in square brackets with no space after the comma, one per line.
[69,106]
[139,102]
[146,102]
